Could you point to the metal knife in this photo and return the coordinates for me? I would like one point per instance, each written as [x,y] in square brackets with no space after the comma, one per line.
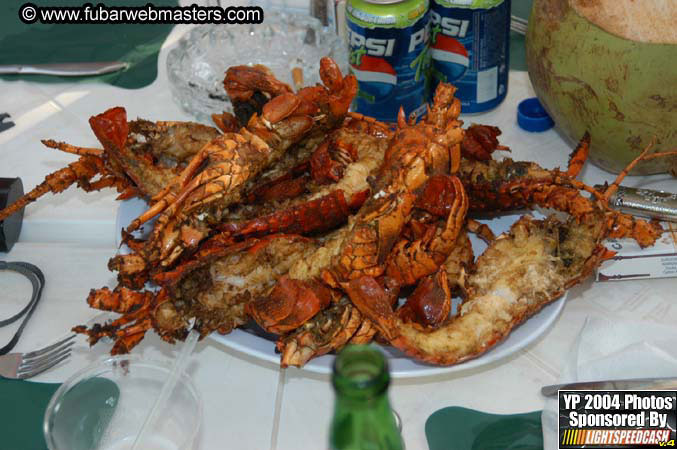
[65,69]
[645,384]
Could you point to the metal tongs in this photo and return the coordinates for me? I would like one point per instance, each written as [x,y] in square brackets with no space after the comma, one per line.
[659,205]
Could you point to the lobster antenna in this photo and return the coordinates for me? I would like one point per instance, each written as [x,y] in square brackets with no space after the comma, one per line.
[64,147]
[660,155]
[642,157]
[611,190]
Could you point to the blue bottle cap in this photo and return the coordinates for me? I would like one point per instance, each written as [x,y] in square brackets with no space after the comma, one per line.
[531,116]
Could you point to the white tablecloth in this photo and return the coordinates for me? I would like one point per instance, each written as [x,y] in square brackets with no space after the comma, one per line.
[249,404]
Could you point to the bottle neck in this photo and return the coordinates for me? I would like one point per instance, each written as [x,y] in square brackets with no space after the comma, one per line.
[360,376]
[363,418]
[376,403]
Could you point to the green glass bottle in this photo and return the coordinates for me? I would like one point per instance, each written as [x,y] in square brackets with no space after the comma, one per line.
[363,419]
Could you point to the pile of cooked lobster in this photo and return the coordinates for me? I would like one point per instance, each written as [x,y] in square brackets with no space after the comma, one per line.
[316,223]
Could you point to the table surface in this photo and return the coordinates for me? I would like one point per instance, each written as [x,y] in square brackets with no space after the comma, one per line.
[246,401]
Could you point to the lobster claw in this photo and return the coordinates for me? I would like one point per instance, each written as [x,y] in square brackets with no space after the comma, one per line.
[226,122]
[242,82]
[290,304]
[280,107]
[480,141]
[340,103]
[324,169]
[294,127]
[430,303]
[110,127]
[330,74]
[438,195]
[343,90]
[372,301]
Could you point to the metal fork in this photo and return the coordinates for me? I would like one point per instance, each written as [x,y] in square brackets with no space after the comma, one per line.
[27,365]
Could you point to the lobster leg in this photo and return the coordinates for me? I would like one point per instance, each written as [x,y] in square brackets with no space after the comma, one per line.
[481,230]
[369,125]
[127,340]
[121,300]
[140,311]
[328,330]
[80,171]
[103,183]
[342,90]
[135,308]
[167,196]
[364,334]
[579,156]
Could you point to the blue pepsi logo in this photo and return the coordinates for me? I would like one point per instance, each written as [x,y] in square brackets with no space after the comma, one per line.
[450,57]
[375,76]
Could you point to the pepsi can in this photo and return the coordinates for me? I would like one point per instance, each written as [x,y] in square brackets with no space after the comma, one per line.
[469,47]
[388,55]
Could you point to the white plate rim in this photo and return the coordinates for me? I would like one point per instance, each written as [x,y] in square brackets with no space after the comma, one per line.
[400,367]
[249,344]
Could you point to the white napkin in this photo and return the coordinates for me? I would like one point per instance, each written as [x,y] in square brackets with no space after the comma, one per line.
[613,350]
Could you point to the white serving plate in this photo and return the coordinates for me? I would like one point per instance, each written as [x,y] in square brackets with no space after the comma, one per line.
[401,366]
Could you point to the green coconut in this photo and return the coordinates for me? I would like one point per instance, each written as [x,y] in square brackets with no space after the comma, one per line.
[608,67]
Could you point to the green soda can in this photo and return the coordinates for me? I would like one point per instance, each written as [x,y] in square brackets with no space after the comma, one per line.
[388,41]
[363,418]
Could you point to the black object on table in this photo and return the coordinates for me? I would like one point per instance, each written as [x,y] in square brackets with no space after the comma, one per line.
[11,189]
[5,125]
[37,279]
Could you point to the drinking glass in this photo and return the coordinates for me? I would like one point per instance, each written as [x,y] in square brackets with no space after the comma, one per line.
[104,406]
